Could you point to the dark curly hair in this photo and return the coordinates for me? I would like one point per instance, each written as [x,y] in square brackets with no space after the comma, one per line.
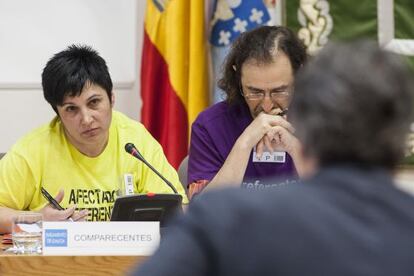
[259,44]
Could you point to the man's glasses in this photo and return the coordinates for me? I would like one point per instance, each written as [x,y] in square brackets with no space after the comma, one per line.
[260,95]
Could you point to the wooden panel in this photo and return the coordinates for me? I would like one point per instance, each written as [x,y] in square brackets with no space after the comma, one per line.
[66,265]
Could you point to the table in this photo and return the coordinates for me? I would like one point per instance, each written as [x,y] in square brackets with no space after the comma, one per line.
[11,264]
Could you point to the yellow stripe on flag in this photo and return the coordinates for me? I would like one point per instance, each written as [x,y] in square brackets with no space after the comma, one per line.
[179,35]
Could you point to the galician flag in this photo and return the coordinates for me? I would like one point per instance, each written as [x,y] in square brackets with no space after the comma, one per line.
[230,19]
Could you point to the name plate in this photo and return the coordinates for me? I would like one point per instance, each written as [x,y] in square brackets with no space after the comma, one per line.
[270,157]
[101,238]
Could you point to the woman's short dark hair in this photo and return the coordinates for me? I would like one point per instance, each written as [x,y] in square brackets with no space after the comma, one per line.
[259,44]
[353,104]
[67,73]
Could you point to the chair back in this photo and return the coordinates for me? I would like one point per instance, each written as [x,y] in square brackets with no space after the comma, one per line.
[182,173]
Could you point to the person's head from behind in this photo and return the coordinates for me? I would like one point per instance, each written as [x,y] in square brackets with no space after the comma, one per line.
[260,69]
[353,104]
[77,84]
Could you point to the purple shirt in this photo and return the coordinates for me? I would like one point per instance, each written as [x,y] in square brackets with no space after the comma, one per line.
[213,135]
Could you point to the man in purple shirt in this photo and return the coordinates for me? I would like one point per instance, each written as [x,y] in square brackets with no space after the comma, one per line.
[246,138]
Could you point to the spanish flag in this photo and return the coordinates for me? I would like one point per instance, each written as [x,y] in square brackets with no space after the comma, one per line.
[174,72]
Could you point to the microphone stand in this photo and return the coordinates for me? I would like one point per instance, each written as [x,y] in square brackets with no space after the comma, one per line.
[131,149]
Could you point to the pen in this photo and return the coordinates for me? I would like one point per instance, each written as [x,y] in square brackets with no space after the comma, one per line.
[52,201]
[283,112]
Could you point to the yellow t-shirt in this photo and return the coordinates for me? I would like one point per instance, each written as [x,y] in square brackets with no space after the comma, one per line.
[45,158]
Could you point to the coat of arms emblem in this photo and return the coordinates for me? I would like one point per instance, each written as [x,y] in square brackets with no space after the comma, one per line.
[316,22]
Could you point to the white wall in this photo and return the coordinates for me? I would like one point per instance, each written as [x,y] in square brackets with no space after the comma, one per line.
[31,31]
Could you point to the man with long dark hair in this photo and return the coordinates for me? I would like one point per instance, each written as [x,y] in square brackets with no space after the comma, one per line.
[246,138]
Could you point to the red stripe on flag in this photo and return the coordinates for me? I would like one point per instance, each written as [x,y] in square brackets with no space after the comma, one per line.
[163,113]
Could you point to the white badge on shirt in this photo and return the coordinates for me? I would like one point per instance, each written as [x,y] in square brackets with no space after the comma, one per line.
[269,157]
[128,184]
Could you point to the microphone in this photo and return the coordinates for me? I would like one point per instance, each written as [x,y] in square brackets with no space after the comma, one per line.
[131,149]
